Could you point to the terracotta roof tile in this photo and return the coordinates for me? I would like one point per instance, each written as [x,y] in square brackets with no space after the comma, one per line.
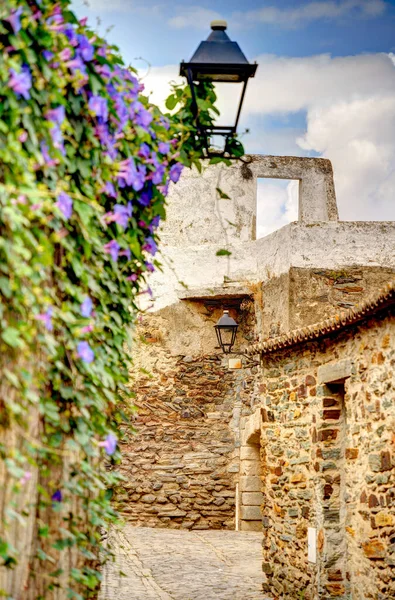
[343,319]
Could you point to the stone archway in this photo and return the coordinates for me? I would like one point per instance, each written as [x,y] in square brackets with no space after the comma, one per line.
[250,484]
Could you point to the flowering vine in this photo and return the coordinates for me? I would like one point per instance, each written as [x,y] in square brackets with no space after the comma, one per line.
[85,166]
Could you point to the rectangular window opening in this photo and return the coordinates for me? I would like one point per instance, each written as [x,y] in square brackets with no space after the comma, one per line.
[277,204]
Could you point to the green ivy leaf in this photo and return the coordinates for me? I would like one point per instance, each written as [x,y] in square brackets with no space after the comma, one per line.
[12,337]
[171,102]
[223,252]
[222,194]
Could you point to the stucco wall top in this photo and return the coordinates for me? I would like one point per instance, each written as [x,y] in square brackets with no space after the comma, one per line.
[330,245]
[199,223]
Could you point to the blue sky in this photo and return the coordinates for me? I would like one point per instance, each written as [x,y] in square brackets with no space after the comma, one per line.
[325,84]
[149,28]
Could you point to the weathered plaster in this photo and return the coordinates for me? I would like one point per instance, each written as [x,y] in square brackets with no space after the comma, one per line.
[199,223]
[331,245]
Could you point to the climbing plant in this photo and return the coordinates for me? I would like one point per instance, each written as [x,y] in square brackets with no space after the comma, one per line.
[85,166]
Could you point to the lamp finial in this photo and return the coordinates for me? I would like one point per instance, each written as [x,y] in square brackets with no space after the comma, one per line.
[218,25]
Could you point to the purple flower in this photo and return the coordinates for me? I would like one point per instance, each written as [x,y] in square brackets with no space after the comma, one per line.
[98,105]
[146,195]
[86,307]
[158,174]
[77,67]
[57,496]
[22,137]
[65,205]
[71,35]
[57,138]
[144,118]
[109,189]
[101,130]
[122,214]
[20,200]
[55,20]
[103,134]
[87,329]
[129,175]
[164,122]
[85,48]
[112,92]
[164,147]
[150,267]
[56,115]
[112,248]
[132,277]
[138,178]
[164,189]
[48,161]
[109,444]
[85,352]
[175,172]
[46,318]
[104,71]
[37,14]
[21,82]
[150,246]
[13,19]
[126,252]
[25,477]
[144,151]
[65,54]
[102,51]
[154,223]
[122,112]
[145,198]
[47,54]
[76,64]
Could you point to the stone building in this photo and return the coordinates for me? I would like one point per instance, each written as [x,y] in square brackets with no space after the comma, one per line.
[326,425]
[297,442]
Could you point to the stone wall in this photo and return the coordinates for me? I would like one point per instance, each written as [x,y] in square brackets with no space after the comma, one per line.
[327,462]
[305,296]
[181,468]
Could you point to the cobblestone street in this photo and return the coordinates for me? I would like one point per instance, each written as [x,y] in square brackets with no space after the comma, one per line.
[168,564]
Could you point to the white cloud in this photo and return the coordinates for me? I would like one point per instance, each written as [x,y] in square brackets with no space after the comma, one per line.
[359,138]
[294,16]
[157,83]
[284,84]
[195,17]
[127,6]
[277,205]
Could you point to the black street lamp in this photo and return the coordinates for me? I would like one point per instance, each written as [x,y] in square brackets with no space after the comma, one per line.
[218,59]
[226,330]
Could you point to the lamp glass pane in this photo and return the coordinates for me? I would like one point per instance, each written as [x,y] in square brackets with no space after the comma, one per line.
[228,102]
[226,337]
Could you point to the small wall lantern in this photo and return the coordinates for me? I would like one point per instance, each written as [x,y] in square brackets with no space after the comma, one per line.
[226,330]
[218,59]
